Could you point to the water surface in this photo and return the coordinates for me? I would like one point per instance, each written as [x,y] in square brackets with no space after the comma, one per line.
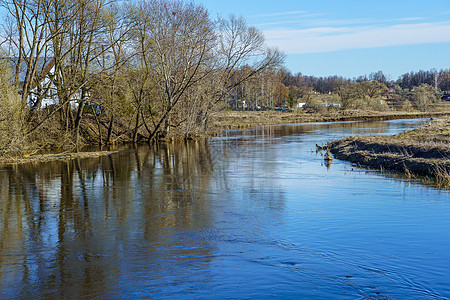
[251,214]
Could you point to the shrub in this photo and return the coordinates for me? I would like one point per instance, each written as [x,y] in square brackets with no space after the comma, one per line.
[423,96]
[12,116]
[377,104]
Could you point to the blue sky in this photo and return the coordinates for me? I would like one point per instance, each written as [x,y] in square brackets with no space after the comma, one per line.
[350,38]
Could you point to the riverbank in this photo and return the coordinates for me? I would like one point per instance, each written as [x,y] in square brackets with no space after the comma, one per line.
[225,120]
[423,151]
[244,119]
[40,158]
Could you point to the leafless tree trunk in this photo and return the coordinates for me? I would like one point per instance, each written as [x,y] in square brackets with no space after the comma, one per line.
[150,65]
[242,55]
[28,38]
[178,41]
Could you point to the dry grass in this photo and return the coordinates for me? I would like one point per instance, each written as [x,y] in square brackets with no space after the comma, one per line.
[244,119]
[442,175]
[424,151]
[12,117]
[29,158]
[437,131]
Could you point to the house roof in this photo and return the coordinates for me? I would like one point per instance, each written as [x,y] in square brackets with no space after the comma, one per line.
[44,66]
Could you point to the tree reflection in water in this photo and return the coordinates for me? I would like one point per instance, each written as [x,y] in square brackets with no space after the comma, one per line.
[80,227]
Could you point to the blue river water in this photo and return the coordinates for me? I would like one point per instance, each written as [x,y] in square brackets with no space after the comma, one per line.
[252,214]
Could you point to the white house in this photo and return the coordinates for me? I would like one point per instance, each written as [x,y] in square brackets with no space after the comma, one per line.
[300,104]
[43,91]
[43,88]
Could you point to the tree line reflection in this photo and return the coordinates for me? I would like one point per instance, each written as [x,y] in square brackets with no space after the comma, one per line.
[69,227]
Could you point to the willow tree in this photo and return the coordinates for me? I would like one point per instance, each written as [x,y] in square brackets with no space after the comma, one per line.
[423,96]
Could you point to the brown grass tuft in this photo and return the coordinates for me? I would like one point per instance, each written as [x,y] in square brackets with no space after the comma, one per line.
[12,116]
[442,175]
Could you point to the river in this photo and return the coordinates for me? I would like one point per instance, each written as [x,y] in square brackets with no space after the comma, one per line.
[253,213]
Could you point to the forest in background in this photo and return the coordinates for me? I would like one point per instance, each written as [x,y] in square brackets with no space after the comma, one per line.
[411,91]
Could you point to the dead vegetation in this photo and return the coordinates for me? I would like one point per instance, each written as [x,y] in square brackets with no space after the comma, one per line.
[421,152]
[243,119]
[32,158]
[12,117]
[442,176]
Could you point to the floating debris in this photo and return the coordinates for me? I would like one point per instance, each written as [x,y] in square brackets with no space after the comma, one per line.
[328,155]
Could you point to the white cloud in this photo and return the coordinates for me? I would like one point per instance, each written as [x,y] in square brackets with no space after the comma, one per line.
[286,13]
[412,19]
[328,39]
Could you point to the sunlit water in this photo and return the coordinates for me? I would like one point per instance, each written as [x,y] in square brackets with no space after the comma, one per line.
[251,214]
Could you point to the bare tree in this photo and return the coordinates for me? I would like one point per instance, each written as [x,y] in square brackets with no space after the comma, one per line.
[177,48]
[108,86]
[88,29]
[242,55]
[27,41]
[77,35]
[151,65]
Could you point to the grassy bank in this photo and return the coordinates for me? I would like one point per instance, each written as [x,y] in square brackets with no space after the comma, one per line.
[423,151]
[244,119]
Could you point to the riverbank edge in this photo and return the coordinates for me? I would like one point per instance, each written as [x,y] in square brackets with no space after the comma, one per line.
[404,152]
[240,120]
[390,155]
[65,156]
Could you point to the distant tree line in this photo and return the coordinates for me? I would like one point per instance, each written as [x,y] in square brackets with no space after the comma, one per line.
[438,79]
[415,90]
[280,88]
